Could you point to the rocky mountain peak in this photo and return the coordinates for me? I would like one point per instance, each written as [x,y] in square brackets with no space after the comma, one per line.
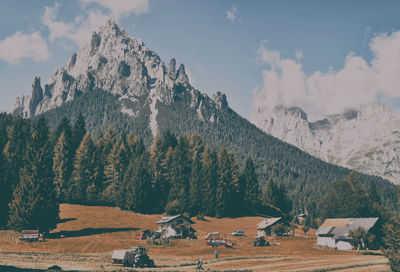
[220,99]
[363,138]
[171,68]
[36,95]
[113,61]
[182,77]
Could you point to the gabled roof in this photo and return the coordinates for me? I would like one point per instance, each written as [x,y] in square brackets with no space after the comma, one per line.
[339,228]
[166,219]
[268,222]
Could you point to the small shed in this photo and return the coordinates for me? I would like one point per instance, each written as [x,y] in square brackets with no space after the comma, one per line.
[177,226]
[264,228]
[334,232]
[119,256]
[30,235]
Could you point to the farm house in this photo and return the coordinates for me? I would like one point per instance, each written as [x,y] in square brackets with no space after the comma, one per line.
[177,226]
[334,232]
[265,228]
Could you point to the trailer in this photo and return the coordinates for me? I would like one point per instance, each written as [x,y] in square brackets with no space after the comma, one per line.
[31,236]
[135,256]
[213,239]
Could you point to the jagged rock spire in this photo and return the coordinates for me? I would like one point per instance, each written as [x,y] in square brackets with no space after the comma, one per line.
[36,95]
[182,77]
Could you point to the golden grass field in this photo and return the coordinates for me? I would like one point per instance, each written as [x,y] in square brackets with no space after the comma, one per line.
[87,235]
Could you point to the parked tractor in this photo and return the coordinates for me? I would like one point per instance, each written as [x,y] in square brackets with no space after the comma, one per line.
[260,241]
[213,239]
[135,256]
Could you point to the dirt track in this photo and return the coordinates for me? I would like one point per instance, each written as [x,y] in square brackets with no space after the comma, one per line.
[87,235]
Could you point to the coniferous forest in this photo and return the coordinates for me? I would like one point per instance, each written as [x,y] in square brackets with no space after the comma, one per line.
[40,169]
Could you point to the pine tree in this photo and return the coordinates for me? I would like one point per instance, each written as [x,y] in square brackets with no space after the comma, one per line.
[78,132]
[137,182]
[347,198]
[250,187]
[228,184]
[195,200]
[61,166]
[114,171]
[270,194]
[180,174]
[35,204]
[4,193]
[392,244]
[210,181]
[63,127]
[84,172]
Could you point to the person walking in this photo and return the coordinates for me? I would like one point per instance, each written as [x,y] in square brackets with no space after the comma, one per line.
[199,265]
[216,254]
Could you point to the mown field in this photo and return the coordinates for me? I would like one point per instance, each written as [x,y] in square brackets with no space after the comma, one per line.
[87,235]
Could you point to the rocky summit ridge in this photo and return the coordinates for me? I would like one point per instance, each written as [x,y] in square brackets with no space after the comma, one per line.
[115,62]
[364,138]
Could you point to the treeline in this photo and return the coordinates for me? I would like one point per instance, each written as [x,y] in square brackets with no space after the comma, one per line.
[176,175]
[306,178]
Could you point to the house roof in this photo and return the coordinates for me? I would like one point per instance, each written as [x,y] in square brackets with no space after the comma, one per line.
[166,219]
[339,228]
[268,222]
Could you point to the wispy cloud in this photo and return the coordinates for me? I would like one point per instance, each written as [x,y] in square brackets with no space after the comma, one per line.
[322,93]
[22,46]
[121,8]
[232,14]
[79,30]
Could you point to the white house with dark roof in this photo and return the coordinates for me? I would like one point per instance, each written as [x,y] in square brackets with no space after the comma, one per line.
[334,232]
[264,228]
[177,226]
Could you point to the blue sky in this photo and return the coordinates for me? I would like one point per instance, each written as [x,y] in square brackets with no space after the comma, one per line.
[323,56]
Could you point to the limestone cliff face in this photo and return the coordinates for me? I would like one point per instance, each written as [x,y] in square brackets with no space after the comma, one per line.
[365,139]
[122,65]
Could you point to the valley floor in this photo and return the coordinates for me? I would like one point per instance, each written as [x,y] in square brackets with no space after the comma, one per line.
[86,237]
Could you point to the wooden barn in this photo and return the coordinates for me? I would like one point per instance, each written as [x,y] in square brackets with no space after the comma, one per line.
[177,226]
[334,232]
[265,228]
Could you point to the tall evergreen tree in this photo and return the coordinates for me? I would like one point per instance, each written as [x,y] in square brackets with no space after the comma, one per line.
[35,204]
[4,193]
[61,166]
[392,244]
[78,132]
[114,171]
[250,187]
[84,172]
[270,194]
[210,181]
[180,175]
[346,198]
[228,184]
[196,184]
[138,186]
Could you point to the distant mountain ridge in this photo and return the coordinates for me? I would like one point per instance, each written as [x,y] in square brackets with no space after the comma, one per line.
[117,81]
[365,138]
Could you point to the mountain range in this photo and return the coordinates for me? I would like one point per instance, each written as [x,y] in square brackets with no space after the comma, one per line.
[365,138]
[115,80]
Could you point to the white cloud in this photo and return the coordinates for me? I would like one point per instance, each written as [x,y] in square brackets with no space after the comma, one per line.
[120,8]
[21,46]
[232,14]
[285,82]
[79,31]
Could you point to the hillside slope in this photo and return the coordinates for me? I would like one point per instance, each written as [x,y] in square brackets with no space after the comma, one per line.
[365,138]
[117,81]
